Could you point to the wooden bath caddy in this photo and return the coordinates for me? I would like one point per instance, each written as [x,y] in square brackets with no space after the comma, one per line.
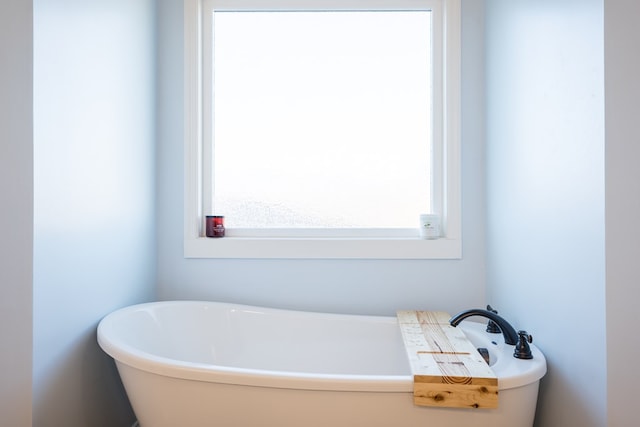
[447,369]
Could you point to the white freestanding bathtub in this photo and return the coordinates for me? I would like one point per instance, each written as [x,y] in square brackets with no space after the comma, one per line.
[188,363]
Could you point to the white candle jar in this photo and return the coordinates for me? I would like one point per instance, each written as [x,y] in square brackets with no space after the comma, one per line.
[430,226]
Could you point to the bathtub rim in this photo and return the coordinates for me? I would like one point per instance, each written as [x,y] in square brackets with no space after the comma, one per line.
[126,354]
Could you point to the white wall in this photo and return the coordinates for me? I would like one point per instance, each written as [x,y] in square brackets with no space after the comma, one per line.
[353,286]
[545,193]
[622,68]
[16,211]
[94,194]
[89,260]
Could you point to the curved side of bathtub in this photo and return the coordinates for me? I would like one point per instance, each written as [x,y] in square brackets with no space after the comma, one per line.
[186,391]
[113,326]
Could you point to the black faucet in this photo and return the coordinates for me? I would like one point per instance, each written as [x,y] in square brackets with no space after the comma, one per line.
[510,334]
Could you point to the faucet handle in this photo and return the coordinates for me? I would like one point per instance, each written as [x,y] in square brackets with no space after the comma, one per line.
[492,328]
[522,349]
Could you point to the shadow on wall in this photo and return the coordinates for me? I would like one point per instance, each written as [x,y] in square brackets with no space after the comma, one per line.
[102,392]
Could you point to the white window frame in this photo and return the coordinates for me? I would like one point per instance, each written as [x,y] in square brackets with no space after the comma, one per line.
[446,147]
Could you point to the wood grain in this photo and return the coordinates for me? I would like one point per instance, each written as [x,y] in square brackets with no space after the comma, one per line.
[447,369]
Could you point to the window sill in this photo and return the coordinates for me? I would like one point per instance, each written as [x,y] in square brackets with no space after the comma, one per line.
[322,248]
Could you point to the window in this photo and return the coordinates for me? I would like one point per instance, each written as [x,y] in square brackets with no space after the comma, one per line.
[322,129]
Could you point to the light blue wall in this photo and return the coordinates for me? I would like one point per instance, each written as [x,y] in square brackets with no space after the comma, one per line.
[16,211]
[545,193]
[94,248]
[354,286]
[622,68]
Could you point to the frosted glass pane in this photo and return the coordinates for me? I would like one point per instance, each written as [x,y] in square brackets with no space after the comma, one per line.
[322,119]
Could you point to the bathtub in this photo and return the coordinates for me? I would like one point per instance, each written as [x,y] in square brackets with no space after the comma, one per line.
[190,363]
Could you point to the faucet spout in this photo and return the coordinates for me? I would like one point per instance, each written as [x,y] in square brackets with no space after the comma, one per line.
[509,333]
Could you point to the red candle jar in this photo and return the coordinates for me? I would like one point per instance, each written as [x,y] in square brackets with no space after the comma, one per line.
[215,226]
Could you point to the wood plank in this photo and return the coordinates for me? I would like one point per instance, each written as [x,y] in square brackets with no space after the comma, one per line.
[447,369]
[455,396]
